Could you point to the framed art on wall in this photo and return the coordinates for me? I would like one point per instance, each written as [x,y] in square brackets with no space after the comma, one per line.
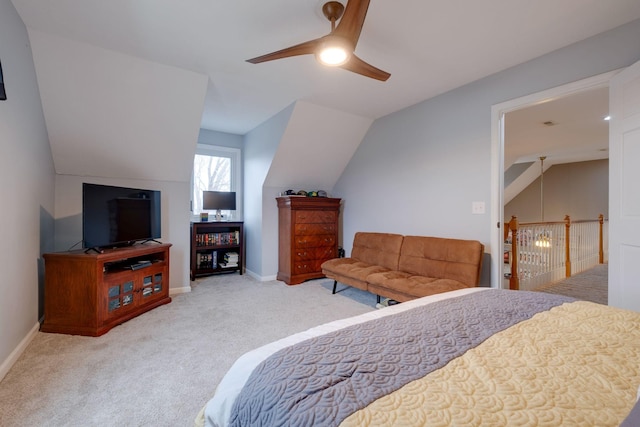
[3,94]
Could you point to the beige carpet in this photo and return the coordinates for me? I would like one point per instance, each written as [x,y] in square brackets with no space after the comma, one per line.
[590,285]
[160,368]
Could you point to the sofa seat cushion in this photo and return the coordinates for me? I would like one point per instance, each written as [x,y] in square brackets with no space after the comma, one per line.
[351,271]
[403,286]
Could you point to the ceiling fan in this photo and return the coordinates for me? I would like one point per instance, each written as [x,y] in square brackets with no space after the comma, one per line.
[336,48]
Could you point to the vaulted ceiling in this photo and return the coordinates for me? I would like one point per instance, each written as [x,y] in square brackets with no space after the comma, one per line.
[428,47]
[123,80]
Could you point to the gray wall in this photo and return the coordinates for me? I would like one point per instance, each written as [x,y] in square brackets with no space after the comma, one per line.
[221,139]
[261,225]
[26,191]
[580,190]
[418,170]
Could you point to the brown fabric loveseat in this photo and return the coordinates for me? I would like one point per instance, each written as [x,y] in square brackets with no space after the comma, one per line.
[407,267]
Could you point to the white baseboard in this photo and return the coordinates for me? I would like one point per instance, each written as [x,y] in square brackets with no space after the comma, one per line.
[258,277]
[182,290]
[17,352]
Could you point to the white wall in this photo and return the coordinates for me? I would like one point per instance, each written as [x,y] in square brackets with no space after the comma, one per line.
[114,115]
[315,148]
[261,227]
[26,191]
[418,170]
[580,190]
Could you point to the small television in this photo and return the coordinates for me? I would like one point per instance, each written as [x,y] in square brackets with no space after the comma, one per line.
[118,216]
[219,201]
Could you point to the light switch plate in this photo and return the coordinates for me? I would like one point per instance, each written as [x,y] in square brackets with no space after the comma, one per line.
[477,208]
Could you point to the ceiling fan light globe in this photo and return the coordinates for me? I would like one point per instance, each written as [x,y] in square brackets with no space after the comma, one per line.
[334,51]
[333,56]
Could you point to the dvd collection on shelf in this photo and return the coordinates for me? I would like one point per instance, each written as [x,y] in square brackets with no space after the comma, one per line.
[215,239]
[210,260]
[230,259]
[207,260]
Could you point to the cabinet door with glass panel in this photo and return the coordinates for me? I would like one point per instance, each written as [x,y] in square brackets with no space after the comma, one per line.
[120,292]
[126,291]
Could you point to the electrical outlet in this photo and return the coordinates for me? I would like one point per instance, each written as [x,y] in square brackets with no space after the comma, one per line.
[477,208]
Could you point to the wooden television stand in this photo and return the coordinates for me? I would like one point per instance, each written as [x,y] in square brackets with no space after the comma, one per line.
[90,293]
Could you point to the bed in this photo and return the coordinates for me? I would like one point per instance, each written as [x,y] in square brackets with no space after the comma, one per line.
[469,357]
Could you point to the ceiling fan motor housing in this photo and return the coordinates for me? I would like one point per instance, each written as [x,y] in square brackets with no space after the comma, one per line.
[333,10]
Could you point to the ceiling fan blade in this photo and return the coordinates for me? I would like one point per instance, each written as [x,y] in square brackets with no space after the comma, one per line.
[352,20]
[358,66]
[299,49]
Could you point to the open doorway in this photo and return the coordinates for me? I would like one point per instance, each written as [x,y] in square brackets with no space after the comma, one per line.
[528,150]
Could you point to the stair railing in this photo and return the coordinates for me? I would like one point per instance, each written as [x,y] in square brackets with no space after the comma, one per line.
[545,252]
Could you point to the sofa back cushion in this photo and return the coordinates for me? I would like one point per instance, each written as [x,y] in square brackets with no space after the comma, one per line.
[455,259]
[381,249]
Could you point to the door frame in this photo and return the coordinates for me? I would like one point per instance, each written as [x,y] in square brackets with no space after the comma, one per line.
[498,112]
[624,204]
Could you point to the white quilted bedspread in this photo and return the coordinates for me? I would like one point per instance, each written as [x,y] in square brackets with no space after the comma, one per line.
[532,374]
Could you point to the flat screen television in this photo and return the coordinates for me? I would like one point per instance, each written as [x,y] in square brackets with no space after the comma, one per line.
[118,216]
[219,201]
[214,200]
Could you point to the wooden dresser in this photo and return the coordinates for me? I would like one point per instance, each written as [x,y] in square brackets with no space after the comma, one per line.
[308,236]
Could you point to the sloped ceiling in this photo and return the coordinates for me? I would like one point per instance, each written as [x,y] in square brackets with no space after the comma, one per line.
[428,47]
[316,147]
[113,115]
[123,80]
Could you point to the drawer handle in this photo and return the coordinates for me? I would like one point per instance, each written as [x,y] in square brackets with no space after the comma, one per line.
[302,253]
[302,266]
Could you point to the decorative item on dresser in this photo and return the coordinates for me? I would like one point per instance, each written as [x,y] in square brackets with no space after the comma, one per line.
[90,293]
[216,247]
[308,236]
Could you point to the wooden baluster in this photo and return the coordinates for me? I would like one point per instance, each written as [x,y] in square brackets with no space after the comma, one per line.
[567,255]
[601,240]
[514,281]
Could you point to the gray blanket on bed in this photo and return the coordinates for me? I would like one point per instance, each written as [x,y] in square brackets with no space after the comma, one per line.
[323,380]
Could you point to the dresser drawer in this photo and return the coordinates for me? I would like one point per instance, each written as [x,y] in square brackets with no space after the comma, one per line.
[315,229]
[319,253]
[304,267]
[310,217]
[314,241]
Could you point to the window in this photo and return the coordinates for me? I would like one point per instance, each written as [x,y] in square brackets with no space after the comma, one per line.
[216,169]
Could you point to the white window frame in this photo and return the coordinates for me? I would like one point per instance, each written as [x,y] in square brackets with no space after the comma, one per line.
[234,154]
